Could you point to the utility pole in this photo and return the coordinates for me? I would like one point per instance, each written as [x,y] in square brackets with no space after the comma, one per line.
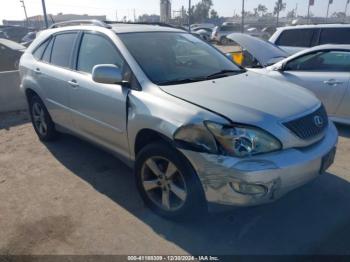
[25,11]
[329,3]
[45,15]
[243,16]
[308,11]
[346,9]
[189,15]
[134,15]
[116,15]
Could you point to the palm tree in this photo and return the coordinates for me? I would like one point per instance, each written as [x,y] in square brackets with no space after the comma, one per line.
[262,9]
[279,6]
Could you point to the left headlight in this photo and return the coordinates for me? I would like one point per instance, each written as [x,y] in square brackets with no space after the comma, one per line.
[242,141]
[237,141]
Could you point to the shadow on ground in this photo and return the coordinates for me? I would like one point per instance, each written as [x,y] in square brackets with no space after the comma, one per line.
[344,130]
[305,221]
[12,119]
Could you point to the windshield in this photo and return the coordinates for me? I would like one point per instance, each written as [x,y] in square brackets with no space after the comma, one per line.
[170,58]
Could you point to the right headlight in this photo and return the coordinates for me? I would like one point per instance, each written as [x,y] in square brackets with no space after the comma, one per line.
[237,141]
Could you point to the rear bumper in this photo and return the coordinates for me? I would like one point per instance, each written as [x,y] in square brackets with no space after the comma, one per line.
[278,173]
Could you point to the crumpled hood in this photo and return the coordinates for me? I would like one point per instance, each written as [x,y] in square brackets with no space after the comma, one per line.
[248,98]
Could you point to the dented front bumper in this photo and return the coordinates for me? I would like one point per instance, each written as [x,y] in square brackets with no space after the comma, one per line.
[264,178]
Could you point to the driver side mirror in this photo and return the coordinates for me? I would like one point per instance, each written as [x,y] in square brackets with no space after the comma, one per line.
[107,74]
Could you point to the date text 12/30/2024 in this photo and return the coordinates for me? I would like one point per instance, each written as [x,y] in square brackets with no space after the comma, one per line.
[173,258]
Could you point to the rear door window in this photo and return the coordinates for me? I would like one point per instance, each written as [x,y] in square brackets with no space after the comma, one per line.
[62,49]
[339,36]
[296,37]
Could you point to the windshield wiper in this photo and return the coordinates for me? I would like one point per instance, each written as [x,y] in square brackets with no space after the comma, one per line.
[224,73]
[182,81]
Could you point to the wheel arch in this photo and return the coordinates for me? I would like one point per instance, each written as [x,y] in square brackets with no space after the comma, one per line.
[147,136]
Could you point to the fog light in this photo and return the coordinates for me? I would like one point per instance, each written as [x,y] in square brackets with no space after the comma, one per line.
[249,189]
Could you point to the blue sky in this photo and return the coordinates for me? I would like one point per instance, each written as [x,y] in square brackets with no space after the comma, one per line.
[11,9]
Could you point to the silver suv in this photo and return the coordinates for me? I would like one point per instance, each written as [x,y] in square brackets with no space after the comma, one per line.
[197,129]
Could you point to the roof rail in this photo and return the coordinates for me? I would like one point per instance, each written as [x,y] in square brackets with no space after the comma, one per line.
[143,23]
[80,22]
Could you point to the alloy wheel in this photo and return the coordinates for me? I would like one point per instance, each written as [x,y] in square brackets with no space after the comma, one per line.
[163,183]
[38,114]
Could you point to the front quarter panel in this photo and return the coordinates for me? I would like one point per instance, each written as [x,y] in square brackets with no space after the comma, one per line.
[155,110]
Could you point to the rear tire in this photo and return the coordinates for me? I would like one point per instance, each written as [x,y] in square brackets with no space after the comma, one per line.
[41,120]
[168,183]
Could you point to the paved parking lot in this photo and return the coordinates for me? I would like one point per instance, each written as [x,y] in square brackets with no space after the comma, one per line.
[70,197]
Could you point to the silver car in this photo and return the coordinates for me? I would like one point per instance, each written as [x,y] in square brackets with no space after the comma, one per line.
[198,130]
[324,70]
[220,32]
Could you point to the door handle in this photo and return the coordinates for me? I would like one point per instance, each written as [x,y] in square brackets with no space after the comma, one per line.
[37,71]
[332,82]
[73,83]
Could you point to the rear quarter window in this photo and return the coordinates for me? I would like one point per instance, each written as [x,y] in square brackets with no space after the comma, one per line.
[296,37]
[338,36]
[39,51]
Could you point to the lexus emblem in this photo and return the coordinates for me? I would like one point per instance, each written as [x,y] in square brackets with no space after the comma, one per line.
[318,121]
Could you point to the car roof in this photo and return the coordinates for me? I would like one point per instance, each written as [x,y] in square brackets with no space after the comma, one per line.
[330,46]
[314,26]
[327,47]
[120,28]
[138,28]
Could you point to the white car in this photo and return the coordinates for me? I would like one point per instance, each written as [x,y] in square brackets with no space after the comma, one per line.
[293,39]
[324,70]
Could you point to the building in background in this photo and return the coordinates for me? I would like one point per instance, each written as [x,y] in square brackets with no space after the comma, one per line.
[165,11]
[37,22]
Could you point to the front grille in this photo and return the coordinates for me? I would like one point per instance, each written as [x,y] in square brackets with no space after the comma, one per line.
[310,125]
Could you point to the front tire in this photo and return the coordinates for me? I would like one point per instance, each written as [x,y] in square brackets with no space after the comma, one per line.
[41,120]
[168,184]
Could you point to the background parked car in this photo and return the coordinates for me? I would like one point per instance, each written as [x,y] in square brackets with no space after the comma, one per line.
[28,38]
[253,31]
[220,32]
[203,32]
[15,33]
[296,38]
[10,54]
[324,70]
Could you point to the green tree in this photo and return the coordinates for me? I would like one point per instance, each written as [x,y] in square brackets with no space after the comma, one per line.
[291,14]
[200,12]
[262,9]
[339,15]
[214,14]
[279,7]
